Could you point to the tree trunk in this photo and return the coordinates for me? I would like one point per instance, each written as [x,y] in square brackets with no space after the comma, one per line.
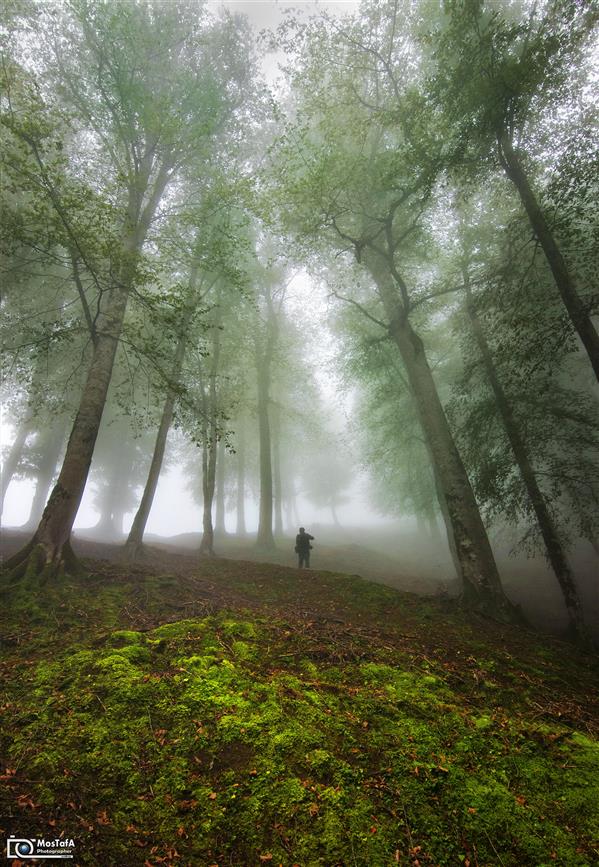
[240,508]
[291,507]
[295,510]
[579,316]
[555,551]
[453,550]
[334,514]
[51,447]
[24,429]
[289,511]
[220,528]
[110,525]
[481,585]
[481,582]
[433,524]
[277,479]
[133,545]
[265,537]
[14,456]
[209,446]
[49,552]
[208,484]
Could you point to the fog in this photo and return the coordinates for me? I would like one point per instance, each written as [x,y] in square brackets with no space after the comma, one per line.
[223,321]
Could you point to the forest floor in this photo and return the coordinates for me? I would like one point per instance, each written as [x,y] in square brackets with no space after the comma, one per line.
[229,712]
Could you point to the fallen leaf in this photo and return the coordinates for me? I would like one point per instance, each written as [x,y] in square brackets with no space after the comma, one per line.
[9,772]
[267,857]
[26,801]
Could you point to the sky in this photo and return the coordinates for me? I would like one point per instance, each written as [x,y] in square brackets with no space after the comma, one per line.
[264,15]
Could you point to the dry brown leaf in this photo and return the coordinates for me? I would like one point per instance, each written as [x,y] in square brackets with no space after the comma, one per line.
[102,818]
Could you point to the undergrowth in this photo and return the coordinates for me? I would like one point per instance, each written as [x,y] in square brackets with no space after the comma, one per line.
[243,738]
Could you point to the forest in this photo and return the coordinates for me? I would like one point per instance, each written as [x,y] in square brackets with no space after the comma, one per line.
[333,266]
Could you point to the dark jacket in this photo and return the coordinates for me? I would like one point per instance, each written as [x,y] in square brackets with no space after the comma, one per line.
[302,542]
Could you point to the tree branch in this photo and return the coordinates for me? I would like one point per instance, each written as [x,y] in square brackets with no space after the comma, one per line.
[362,309]
[86,311]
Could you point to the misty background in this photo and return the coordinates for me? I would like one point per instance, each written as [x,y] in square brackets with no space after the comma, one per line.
[285,333]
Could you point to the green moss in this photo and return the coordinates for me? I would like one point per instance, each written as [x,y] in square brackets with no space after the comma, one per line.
[180,629]
[125,636]
[235,736]
[233,628]
[242,650]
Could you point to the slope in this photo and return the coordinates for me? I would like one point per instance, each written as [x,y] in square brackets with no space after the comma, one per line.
[236,713]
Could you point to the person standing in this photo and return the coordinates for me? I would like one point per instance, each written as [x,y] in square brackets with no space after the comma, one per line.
[303,548]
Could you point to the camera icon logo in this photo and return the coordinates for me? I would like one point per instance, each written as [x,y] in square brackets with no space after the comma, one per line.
[19,848]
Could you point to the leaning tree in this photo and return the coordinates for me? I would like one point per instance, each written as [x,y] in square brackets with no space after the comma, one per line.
[148,86]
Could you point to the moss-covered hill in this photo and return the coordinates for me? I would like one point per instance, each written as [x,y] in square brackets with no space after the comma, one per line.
[239,714]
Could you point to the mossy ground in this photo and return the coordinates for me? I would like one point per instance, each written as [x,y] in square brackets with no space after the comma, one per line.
[311,719]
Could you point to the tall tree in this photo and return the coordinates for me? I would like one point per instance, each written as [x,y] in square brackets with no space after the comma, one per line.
[150,87]
[191,301]
[211,430]
[495,78]
[48,446]
[240,526]
[361,179]
[220,527]
[271,294]
[555,550]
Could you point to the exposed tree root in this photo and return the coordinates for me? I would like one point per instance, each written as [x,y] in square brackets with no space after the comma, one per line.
[578,634]
[134,551]
[501,610]
[38,563]
[207,552]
